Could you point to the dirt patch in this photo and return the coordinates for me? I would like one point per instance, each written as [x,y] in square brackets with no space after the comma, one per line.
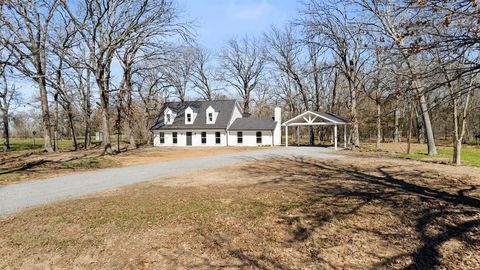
[154,154]
[353,213]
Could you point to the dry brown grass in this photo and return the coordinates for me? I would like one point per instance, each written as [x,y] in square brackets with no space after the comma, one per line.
[354,213]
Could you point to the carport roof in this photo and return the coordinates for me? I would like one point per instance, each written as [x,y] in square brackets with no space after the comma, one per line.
[328,119]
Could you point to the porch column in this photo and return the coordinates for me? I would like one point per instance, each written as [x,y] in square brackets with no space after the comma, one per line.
[286,136]
[344,136]
[335,137]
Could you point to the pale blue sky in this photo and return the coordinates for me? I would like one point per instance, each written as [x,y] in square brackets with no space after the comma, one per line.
[219,20]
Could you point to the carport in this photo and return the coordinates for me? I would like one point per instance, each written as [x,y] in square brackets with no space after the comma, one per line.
[312,118]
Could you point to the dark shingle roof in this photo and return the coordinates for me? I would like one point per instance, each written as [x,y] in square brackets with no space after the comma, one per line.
[252,124]
[334,117]
[223,107]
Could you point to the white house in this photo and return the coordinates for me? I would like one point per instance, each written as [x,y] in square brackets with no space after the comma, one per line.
[213,123]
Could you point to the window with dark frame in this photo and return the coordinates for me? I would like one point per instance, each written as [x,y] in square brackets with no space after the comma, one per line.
[204,137]
[210,117]
[217,137]
[174,135]
[259,137]
[189,117]
[162,137]
[239,137]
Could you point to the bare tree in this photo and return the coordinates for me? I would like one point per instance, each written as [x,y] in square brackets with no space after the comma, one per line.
[151,88]
[105,26]
[387,18]
[331,28]
[26,24]
[203,76]
[243,62]
[8,95]
[178,72]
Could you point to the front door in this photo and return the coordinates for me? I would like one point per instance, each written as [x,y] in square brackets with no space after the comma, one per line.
[189,138]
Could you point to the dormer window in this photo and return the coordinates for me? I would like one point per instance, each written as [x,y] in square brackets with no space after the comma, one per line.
[211,115]
[189,116]
[169,116]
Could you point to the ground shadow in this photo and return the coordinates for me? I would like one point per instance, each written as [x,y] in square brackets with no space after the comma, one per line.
[422,198]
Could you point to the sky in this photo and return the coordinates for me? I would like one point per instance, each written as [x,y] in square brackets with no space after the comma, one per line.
[217,21]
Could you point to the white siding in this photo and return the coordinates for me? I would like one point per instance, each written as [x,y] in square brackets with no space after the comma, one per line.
[250,138]
[196,138]
[236,114]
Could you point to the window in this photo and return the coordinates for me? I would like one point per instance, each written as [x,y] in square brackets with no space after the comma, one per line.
[189,117]
[239,137]
[204,137]
[162,137]
[217,137]
[210,117]
[259,137]
[174,135]
[169,118]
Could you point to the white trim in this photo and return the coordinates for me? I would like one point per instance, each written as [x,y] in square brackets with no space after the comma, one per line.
[314,124]
[310,120]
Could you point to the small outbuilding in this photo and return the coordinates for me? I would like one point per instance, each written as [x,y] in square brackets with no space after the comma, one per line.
[313,118]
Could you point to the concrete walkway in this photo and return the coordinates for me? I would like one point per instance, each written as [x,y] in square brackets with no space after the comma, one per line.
[14,197]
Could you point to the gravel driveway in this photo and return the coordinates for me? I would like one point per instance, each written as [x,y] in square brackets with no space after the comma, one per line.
[17,196]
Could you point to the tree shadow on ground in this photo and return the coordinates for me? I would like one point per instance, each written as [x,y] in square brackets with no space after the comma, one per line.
[437,208]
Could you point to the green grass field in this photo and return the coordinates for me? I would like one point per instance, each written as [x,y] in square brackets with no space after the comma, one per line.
[37,144]
[470,155]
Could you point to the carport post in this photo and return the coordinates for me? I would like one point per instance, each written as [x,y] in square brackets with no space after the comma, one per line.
[286,136]
[298,135]
[335,135]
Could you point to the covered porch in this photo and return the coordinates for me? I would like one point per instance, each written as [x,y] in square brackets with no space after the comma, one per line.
[313,118]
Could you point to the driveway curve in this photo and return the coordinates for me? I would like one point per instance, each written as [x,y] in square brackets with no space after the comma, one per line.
[14,197]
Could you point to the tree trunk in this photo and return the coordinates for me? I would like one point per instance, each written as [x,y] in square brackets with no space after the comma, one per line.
[118,125]
[410,126]
[129,110]
[47,143]
[396,134]
[379,126]
[72,126]
[419,125]
[311,137]
[5,129]
[246,104]
[55,123]
[87,111]
[107,145]
[432,149]
[355,129]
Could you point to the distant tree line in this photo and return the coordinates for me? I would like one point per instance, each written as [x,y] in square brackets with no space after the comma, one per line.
[398,69]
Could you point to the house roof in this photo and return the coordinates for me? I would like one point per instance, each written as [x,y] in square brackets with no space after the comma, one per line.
[223,107]
[253,124]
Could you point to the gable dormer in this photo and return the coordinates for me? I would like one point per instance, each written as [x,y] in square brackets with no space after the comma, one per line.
[190,116]
[168,116]
[211,115]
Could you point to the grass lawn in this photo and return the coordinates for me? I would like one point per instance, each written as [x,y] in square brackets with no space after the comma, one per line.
[37,144]
[351,213]
[470,155]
